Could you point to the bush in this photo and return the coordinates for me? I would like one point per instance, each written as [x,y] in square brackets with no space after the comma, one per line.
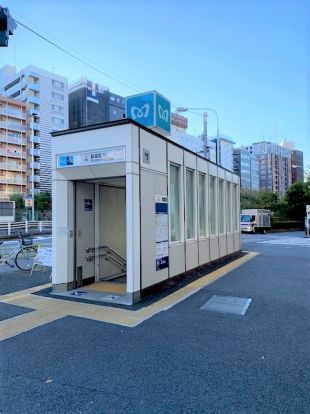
[287,225]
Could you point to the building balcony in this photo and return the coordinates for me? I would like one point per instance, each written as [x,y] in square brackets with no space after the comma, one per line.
[34,139]
[34,165]
[34,125]
[13,113]
[12,153]
[13,140]
[34,112]
[34,178]
[13,180]
[13,166]
[33,99]
[12,126]
[34,86]
[34,152]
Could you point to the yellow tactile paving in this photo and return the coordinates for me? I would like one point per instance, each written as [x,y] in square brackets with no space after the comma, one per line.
[48,309]
[26,322]
[106,287]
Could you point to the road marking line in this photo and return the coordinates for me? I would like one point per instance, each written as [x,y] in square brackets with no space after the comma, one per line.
[47,309]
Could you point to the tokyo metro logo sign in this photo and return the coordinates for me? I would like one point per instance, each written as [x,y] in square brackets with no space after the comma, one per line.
[151,110]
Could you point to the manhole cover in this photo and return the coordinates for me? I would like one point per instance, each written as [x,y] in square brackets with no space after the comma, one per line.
[227,304]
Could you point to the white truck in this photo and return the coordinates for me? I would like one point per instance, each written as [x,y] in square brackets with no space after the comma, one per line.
[255,220]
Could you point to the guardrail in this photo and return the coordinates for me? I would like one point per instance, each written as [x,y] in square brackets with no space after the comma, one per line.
[16,227]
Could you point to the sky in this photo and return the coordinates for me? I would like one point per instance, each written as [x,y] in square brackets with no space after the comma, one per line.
[247,59]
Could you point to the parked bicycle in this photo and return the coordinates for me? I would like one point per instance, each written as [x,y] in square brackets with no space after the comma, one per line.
[23,254]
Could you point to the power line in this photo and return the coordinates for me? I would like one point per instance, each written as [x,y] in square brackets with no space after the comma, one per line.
[78,58]
[102,72]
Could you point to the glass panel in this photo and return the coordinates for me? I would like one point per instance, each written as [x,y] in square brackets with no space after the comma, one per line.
[221,207]
[212,207]
[228,207]
[174,203]
[202,205]
[235,207]
[189,204]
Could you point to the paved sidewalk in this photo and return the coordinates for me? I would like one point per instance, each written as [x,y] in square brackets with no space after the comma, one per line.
[182,359]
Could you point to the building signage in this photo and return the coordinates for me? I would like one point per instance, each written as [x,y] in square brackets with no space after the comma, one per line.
[88,204]
[151,110]
[92,92]
[100,156]
[44,257]
[161,228]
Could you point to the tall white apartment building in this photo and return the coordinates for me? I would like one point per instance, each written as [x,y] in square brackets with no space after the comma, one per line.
[46,94]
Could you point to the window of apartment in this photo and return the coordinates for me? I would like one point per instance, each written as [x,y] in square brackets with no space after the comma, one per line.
[221,207]
[58,121]
[228,207]
[57,108]
[57,96]
[235,208]
[212,206]
[202,205]
[57,84]
[175,203]
[189,185]
[14,95]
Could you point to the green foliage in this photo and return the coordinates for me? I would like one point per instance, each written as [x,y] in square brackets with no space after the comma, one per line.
[19,201]
[42,202]
[259,199]
[291,207]
[287,225]
[295,201]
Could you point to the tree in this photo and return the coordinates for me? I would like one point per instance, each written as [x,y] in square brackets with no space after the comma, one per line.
[296,199]
[19,201]
[259,199]
[248,199]
[268,200]
[42,202]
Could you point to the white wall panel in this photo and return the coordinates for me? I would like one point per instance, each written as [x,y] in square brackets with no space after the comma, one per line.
[176,260]
[204,251]
[191,251]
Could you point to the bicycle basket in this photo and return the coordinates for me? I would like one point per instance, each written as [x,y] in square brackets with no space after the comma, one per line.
[27,241]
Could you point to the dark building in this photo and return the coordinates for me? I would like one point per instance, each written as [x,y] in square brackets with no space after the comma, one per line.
[90,103]
[297,161]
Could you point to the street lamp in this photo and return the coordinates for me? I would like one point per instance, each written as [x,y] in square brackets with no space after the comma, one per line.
[185,109]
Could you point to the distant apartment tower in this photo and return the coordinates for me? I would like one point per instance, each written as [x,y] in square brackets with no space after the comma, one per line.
[297,160]
[46,95]
[246,166]
[90,103]
[13,147]
[274,166]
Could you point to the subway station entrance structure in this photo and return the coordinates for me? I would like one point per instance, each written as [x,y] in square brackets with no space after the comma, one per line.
[132,209]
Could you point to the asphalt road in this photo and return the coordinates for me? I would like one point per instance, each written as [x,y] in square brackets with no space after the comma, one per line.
[183,360]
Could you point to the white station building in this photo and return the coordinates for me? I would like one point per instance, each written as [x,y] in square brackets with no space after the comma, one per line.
[132,209]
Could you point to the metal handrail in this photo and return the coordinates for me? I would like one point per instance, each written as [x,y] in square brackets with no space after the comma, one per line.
[109,254]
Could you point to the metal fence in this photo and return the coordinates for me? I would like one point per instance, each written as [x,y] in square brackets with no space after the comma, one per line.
[16,227]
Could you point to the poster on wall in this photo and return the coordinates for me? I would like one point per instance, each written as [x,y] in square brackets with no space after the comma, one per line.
[161,229]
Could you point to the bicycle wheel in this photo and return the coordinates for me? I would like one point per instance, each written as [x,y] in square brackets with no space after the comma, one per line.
[25,258]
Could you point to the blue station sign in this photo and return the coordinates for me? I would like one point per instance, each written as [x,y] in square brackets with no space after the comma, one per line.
[150,109]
